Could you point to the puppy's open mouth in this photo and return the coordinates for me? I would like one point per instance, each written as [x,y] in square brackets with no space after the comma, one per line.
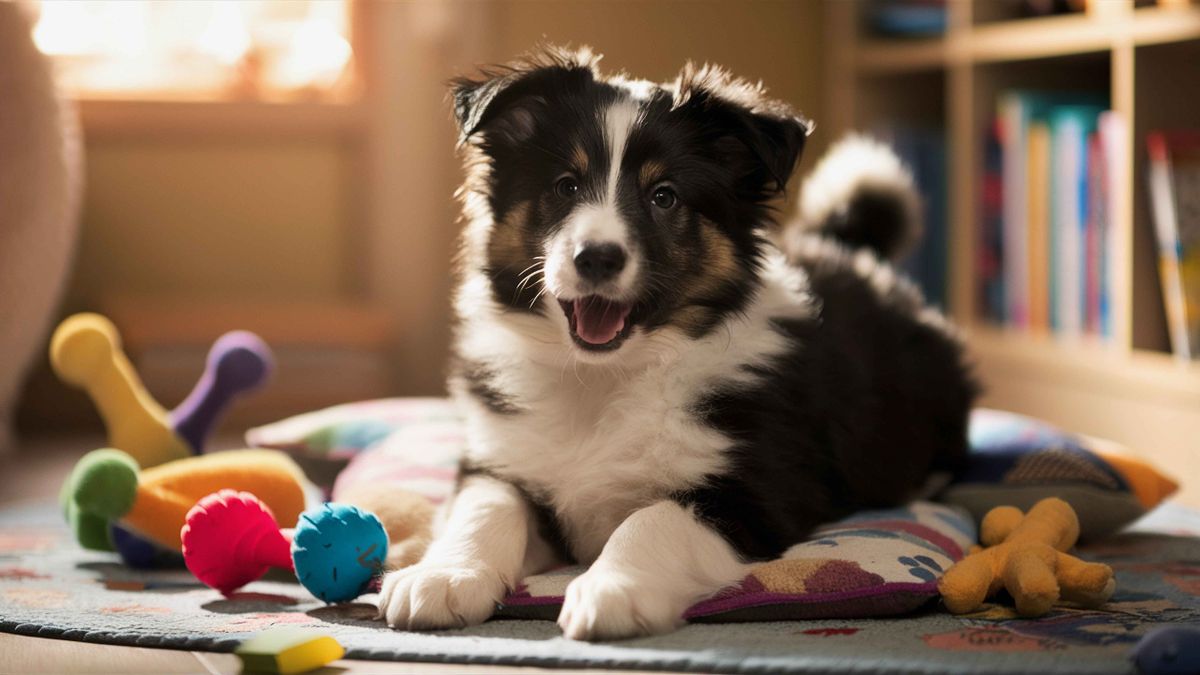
[597,324]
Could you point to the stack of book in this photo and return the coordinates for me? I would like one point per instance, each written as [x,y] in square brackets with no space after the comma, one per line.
[1050,167]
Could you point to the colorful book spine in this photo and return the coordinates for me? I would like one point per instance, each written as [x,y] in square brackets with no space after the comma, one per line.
[1038,237]
[1094,228]
[1014,121]
[1166,229]
[1113,310]
[989,260]
[1174,184]
[1070,127]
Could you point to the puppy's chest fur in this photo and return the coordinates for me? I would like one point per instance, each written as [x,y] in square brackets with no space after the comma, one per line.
[594,444]
[598,450]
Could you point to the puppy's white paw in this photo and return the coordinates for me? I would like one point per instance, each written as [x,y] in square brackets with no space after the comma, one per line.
[607,605]
[424,597]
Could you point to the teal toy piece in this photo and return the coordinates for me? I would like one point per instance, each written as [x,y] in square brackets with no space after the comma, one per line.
[337,549]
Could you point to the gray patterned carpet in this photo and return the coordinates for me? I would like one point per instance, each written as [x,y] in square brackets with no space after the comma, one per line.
[50,588]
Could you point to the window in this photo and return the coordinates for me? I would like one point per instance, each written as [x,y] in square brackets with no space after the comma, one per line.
[161,49]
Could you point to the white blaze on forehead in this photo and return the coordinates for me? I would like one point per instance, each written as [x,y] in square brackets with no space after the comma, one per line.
[598,222]
[619,120]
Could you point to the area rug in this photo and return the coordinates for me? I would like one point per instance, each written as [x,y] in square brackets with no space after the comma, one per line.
[51,588]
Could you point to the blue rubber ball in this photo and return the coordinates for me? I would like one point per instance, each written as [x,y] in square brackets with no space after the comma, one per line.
[337,549]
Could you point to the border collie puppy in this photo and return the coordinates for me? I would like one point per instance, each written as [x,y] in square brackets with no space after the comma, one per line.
[651,387]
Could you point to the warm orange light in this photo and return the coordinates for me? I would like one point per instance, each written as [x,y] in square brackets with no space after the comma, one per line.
[247,48]
[316,57]
[225,38]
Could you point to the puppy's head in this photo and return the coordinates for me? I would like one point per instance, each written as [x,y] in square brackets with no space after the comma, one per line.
[616,208]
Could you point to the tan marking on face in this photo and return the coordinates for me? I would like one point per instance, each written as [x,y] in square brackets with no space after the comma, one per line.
[692,320]
[718,266]
[720,260]
[579,159]
[507,243]
[651,172]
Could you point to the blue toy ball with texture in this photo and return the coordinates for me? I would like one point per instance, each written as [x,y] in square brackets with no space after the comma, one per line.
[337,549]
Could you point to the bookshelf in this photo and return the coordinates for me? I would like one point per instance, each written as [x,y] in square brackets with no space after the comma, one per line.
[1147,61]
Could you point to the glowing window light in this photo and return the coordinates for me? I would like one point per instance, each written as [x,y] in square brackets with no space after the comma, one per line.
[225,38]
[165,49]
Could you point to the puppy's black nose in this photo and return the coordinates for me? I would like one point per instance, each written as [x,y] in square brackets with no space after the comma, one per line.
[600,262]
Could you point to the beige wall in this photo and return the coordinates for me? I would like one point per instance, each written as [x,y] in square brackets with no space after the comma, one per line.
[215,218]
[775,41]
[293,218]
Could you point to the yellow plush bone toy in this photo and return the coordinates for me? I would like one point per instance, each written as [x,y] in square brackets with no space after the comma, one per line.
[1026,556]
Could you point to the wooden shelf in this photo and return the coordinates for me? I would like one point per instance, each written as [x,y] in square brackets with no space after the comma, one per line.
[883,56]
[1025,39]
[149,118]
[1089,364]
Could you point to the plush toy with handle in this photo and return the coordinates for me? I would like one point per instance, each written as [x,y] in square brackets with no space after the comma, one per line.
[85,352]
[1026,554]
[231,538]
[106,486]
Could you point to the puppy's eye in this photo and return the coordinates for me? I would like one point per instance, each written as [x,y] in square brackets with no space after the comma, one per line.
[566,187]
[664,198]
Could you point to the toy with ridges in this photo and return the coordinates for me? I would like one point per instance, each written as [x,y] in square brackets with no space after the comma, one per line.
[231,538]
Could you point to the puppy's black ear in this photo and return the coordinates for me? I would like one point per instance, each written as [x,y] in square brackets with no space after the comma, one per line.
[474,97]
[769,133]
[504,99]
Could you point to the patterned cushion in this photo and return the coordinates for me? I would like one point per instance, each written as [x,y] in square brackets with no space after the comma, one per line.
[876,563]
[417,457]
[345,430]
[1018,460]
[1015,459]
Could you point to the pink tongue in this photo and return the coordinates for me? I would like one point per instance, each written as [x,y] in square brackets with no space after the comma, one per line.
[599,321]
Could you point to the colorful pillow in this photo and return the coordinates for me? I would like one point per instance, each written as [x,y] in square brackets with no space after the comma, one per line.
[415,457]
[1014,459]
[1018,460]
[876,563]
[345,430]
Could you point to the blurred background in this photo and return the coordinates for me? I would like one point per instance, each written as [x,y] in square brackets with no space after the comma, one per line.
[288,168]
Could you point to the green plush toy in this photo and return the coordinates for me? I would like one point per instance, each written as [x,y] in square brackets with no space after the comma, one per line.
[107,486]
[102,487]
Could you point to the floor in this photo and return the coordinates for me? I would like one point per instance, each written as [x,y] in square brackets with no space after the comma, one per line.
[29,656]
[35,472]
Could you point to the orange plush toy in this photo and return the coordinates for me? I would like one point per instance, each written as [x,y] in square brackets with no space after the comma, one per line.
[1026,556]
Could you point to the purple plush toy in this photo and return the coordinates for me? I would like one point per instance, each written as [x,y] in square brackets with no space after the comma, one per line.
[239,362]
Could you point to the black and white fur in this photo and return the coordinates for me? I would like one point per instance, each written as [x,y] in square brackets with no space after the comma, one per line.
[746,394]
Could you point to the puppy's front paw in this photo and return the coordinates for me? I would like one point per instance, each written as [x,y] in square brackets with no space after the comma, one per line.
[607,605]
[424,597]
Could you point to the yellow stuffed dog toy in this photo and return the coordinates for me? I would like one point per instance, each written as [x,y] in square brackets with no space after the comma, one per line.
[1026,555]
